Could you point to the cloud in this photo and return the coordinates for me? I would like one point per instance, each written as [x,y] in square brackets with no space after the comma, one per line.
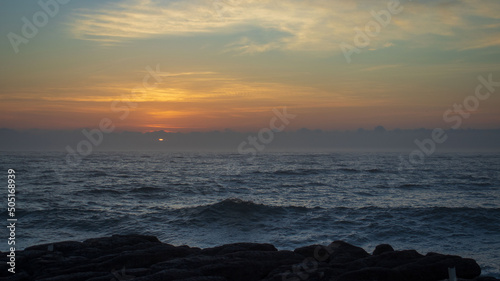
[315,25]
[380,67]
[205,87]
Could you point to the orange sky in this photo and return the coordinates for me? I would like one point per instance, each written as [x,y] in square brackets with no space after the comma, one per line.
[226,64]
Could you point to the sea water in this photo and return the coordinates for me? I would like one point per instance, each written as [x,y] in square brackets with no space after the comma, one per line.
[449,204]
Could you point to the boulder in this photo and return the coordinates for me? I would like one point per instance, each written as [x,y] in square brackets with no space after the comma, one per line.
[342,252]
[237,247]
[382,248]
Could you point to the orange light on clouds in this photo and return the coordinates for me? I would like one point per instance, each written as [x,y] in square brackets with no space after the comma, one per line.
[146,68]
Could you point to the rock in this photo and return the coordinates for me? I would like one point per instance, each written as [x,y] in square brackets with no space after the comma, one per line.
[238,269]
[145,258]
[372,273]
[119,241]
[342,252]
[382,248]
[19,276]
[169,274]
[396,258]
[485,278]
[435,267]
[315,251]
[123,274]
[237,247]
[192,262]
[205,278]
[64,247]
[80,276]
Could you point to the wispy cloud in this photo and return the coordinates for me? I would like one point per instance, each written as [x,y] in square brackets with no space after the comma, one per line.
[308,25]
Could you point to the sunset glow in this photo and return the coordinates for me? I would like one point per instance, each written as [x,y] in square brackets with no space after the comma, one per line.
[206,65]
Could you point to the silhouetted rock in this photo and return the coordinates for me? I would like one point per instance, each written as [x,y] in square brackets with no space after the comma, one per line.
[382,248]
[309,251]
[237,247]
[145,258]
[341,252]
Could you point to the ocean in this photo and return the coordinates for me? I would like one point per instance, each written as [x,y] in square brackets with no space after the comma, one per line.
[450,204]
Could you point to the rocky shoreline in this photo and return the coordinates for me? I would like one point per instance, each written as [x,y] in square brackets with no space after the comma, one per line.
[145,258]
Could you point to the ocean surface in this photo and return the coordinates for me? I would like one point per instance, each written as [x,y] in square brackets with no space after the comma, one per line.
[450,204]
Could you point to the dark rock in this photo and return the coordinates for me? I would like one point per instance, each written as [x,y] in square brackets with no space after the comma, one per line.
[118,241]
[18,276]
[485,278]
[205,278]
[170,274]
[192,262]
[312,251]
[342,252]
[80,276]
[123,274]
[382,248]
[238,269]
[64,247]
[435,267]
[372,273]
[396,258]
[276,258]
[237,247]
[144,258]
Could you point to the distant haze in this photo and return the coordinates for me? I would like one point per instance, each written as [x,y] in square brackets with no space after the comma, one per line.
[230,141]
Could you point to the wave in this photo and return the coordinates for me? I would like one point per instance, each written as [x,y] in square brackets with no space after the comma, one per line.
[146,189]
[299,172]
[292,172]
[348,170]
[96,173]
[354,170]
[403,186]
[310,171]
[235,207]
[97,191]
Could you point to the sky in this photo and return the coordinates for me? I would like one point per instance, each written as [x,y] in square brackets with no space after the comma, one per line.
[204,65]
